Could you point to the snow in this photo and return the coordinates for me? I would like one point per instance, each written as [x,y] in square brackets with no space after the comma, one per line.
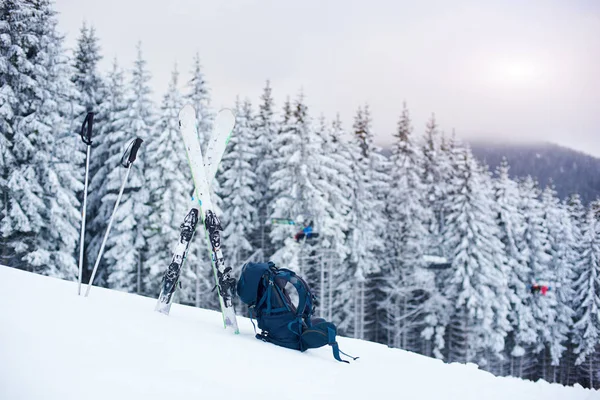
[112,345]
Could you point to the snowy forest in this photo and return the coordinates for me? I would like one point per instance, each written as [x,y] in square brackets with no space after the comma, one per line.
[380,219]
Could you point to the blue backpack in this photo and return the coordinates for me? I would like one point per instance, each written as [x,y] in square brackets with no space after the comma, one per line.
[266,290]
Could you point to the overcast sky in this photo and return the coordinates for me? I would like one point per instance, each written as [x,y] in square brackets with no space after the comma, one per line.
[508,70]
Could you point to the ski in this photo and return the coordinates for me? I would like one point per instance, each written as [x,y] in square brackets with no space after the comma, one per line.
[216,148]
[171,277]
[225,283]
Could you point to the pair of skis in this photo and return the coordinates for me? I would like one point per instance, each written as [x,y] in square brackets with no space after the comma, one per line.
[203,170]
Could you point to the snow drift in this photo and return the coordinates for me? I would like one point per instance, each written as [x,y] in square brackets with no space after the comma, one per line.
[112,345]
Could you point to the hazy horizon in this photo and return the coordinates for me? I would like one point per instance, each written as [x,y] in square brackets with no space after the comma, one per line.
[520,72]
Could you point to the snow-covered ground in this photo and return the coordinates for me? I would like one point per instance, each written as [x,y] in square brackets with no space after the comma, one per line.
[112,345]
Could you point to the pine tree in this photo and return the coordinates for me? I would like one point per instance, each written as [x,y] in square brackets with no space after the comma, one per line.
[577,216]
[169,182]
[366,221]
[86,77]
[595,205]
[91,92]
[126,246]
[335,257]
[61,179]
[408,287]
[432,177]
[198,95]
[333,171]
[535,250]
[284,144]
[40,215]
[105,182]
[511,223]
[587,300]
[238,188]
[265,133]
[296,186]
[476,283]
[20,189]
[303,193]
[561,241]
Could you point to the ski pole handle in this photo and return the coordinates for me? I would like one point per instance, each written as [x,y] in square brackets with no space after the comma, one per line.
[136,146]
[88,122]
[131,153]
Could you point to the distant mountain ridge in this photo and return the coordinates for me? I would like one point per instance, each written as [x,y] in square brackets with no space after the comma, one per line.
[570,171]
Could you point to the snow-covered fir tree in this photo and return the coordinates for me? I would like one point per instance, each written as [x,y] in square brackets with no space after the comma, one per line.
[169,182]
[587,300]
[409,287]
[293,184]
[433,180]
[595,205]
[337,294]
[105,182]
[41,216]
[20,189]
[264,134]
[331,248]
[301,192]
[198,95]
[126,246]
[476,283]
[281,154]
[61,179]
[577,217]
[86,76]
[560,241]
[90,97]
[367,221]
[535,250]
[238,189]
[511,230]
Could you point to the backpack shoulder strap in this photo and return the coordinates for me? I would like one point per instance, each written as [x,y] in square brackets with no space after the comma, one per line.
[305,302]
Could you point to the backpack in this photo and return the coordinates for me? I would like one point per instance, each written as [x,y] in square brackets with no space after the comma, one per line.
[266,290]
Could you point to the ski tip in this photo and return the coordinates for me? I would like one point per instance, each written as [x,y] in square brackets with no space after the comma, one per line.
[225,120]
[187,113]
[226,113]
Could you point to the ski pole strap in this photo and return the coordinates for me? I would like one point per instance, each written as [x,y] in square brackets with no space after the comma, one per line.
[86,134]
[335,348]
[348,355]
[336,353]
[131,152]
[334,345]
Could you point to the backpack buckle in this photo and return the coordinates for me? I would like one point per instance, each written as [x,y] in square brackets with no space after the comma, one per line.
[263,336]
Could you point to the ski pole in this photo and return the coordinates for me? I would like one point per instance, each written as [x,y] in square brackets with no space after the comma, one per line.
[86,137]
[126,161]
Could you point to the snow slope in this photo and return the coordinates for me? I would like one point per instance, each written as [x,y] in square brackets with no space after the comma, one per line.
[112,345]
